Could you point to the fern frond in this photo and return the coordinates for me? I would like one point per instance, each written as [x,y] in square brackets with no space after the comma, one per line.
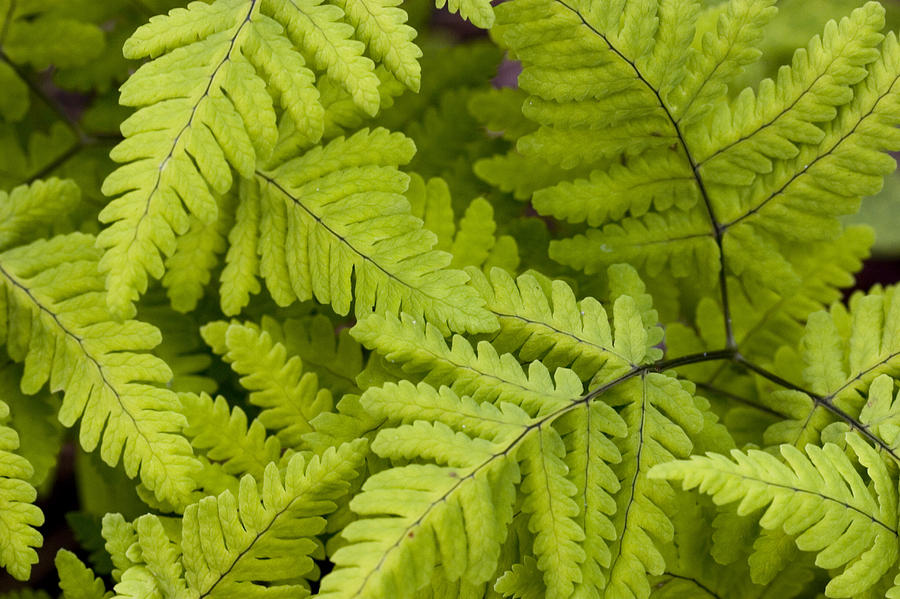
[217,113]
[473,241]
[817,497]
[548,498]
[76,580]
[661,417]
[589,452]
[19,517]
[522,175]
[484,374]
[722,55]
[881,413]
[338,211]
[844,351]
[189,268]
[430,201]
[289,397]
[119,535]
[522,581]
[770,125]
[347,422]
[579,66]
[157,569]
[676,241]
[661,179]
[550,325]
[31,209]
[261,540]
[800,199]
[381,26]
[331,353]
[416,516]
[406,403]
[792,147]
[223,436]
[479,12]
[51,321]
[475,238]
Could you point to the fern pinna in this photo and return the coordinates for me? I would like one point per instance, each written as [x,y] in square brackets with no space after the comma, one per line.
[367,370]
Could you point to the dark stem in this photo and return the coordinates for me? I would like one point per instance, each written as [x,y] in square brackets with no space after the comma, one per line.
[823,402]
[718,228]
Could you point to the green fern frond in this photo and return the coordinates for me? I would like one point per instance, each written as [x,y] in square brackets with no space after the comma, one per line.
[50,320]
[473,242]
[675,241]
[192,129]
[780,202]
[817,497]
[238,63]
[381,26]
[881,413]
[661,179]
[30,209]
[430,201]
[19,517]
[719,56]
[189,268]
[589,452]
[522,581]
[406,403]
[548,498]
[76,580]
[769,125]
[414,516]
[157,571]
[338,211]
[500,111]
[289,397]
[479,12]
[484,374]
[661,417]
[261,540]
[222,435]
[522,175]
[324,348]
[475,238]
[120,536]
[550,325]
[844,351]
[791,147]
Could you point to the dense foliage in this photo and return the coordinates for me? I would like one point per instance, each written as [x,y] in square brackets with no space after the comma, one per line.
[327,312]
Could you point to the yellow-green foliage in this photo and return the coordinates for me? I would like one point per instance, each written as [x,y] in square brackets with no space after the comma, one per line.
[321,312]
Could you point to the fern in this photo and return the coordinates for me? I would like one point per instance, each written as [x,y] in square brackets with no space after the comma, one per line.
[19,517]
[339,315]
[220,114]
[49,324]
